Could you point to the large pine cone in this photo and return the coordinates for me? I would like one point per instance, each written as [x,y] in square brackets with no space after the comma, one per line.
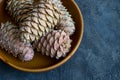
[19,9]
[67,23]
[9,40]
[54,44]
[40,21]
[34,21]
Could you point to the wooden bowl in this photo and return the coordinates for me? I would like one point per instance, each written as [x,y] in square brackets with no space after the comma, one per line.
[42,63]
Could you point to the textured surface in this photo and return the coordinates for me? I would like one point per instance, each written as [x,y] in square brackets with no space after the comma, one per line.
[55,44]
[9,40]
[34,20]
[98,57]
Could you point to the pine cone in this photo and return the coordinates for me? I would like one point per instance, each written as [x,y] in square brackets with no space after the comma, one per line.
[67,23]
[19,9]
[54,44]
[9,40]
[40,21]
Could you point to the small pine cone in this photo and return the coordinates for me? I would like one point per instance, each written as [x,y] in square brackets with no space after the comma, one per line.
[19,9]
[40,21]
[9,40]
[55,44]
[67,23]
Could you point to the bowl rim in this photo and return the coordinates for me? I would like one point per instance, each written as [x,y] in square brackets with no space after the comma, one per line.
[61,62]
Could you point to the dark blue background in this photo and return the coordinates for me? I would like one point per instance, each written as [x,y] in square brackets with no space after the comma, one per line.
[98,57]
